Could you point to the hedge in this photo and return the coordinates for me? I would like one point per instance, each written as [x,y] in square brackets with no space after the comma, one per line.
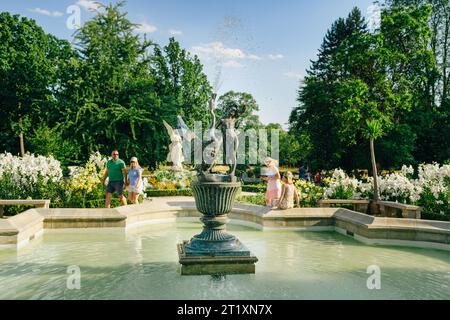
[256,188]
[169,193]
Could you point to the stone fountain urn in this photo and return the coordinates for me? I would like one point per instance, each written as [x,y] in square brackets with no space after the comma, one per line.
[214,251]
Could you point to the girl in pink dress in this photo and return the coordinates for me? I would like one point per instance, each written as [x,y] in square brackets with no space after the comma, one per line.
[273,182]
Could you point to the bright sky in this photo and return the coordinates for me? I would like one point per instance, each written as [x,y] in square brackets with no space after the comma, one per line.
[258,46]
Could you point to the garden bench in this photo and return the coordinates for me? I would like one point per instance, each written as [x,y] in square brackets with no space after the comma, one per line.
[389,209]
[36,203]
[358,205]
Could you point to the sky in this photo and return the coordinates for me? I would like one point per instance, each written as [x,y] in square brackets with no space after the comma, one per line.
[262,47]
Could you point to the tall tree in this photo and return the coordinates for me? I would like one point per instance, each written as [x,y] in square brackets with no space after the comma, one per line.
[431,119]
[115,74]
[249,119]
[370,103]
[27,69]
[313,120]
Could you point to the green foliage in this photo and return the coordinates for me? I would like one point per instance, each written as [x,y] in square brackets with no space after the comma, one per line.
[257,188]
[49,141]
[378,85]
[10,189]
[436,209]
[259,199]
[27,69]
[111,89]
[309,194]
[293,149]
[187,192]
[242,103]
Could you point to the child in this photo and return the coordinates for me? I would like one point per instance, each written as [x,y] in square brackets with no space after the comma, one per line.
[135,180]
[288,192]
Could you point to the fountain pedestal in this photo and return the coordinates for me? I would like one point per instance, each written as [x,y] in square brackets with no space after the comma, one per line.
[214,251]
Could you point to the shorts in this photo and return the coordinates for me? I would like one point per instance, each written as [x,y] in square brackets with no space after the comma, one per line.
[133,189]
[115,186]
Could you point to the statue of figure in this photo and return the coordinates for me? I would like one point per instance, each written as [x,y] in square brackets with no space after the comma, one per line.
[212,145]
[231,142]
[175,148]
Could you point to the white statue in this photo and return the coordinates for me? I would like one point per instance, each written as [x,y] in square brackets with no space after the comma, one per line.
[175,148]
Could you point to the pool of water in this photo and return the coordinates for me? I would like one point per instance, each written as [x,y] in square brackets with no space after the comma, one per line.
[142,263]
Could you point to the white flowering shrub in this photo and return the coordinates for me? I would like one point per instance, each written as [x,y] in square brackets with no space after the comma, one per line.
[99,160]
[430,189]
[398,188]
[434,181]
[341,186]
[30,177]
[30,169]
[38,177]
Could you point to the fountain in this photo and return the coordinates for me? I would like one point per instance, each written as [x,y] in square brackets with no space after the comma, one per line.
[214,250]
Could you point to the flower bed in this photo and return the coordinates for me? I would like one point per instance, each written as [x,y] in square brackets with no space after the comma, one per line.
[30,177]
[168,180]
[37,177]
[430,189]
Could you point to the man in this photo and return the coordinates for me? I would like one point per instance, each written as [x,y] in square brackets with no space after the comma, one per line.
[116,172]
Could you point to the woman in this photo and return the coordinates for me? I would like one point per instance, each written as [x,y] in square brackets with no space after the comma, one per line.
[288,192]
[272,177]
[135,181]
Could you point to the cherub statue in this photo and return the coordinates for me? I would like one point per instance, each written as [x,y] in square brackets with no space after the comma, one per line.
[175,148]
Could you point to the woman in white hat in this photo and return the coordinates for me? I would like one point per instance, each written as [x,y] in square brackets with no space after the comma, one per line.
[273,182]
[135,180]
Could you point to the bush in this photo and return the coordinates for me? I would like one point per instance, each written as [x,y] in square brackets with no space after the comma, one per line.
[30,177]
[168,180]
[259,199]
[309,194]
[169,192]
[257,188]
[49,142]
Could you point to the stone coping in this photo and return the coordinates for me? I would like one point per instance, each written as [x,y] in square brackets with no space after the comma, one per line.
[18,230]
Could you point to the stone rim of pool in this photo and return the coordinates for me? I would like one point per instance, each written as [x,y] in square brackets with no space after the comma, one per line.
[19,230]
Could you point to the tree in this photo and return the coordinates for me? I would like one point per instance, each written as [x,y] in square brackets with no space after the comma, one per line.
[368,111]
[27,69]
[430,121]
[181,85]
[370,103]
[244,101]
[292,151]
[396,55]
[313,120]
[114,73]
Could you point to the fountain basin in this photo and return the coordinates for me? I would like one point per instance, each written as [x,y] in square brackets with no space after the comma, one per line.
[141,262]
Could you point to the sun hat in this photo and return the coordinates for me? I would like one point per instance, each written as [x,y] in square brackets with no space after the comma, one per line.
[134,159]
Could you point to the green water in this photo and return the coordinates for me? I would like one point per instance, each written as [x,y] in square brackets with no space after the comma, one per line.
[143,264]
